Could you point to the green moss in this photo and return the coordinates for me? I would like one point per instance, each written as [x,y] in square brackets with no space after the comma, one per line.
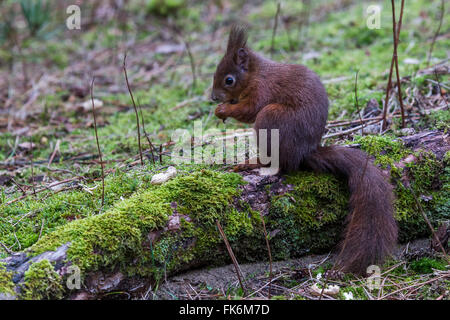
[203,197]
[318,203]
[385,149]
[428,182]
[23,221]
[5,140]
[309,218]
[312,191]
[6,284]
[426,265]
[267,10]
[442,207]
[363,36]
[446,158]
[165,7]
[425,171]
[439,119]
[425,180]
[108,240]
[42,282]
[278,298]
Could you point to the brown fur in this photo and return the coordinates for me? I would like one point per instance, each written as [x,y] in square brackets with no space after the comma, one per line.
[291,98]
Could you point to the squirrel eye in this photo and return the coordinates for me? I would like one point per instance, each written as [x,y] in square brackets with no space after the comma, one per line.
[229,80]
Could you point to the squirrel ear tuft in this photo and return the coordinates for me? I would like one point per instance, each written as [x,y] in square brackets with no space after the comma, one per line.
[237,45]
[242,58]
[237,39]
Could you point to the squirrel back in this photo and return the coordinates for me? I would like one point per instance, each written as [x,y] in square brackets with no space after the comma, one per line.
[292,99]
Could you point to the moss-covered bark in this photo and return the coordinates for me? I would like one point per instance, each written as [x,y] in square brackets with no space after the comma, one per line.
[165,229]
[6,283]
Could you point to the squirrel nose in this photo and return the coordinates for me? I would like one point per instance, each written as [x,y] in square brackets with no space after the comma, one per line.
[214,97]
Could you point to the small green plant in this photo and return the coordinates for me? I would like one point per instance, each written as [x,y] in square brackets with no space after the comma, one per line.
[439,119]
[165,7]
[426,265]
[37,15]
[7,30]
[6,284]
[42,282]
[386,150]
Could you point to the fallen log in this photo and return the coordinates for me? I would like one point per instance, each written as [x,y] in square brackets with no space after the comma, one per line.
[170,228]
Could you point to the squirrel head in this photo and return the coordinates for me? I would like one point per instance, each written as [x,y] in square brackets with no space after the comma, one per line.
[232,73]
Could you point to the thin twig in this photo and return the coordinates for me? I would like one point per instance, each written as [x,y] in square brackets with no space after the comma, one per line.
[19,186]
[233,258]
[304,21]
[436,33]
[8,250]
[56,149]
[341,133]
[28,214]
[98,144]
[42,189]
[190,55]
[269,252]
[419,206]
[135,109]
[274,30]
[412,286]
[386,99]
[343,123]
[192,62]
[439,87]
[265,285]
[42,227]
[357,104]
[145,133]
[32,167]
[396,34]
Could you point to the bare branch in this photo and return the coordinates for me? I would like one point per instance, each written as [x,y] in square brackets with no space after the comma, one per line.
[274,31]
[135,109]
[233,258]
[98,144]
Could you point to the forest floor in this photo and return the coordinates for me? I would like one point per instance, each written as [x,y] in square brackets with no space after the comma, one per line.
[47,142]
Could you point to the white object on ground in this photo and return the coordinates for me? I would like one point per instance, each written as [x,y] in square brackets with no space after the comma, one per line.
[348,295]
[162,177]
[329,291]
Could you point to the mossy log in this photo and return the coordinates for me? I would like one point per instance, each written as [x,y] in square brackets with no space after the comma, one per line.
[166,229]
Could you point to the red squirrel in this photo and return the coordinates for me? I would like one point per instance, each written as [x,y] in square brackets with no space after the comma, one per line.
[292,99]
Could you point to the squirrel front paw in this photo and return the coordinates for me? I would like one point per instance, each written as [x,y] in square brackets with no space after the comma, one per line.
[221,111]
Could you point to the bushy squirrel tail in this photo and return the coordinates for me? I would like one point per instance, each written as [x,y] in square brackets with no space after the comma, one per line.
[371,231]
